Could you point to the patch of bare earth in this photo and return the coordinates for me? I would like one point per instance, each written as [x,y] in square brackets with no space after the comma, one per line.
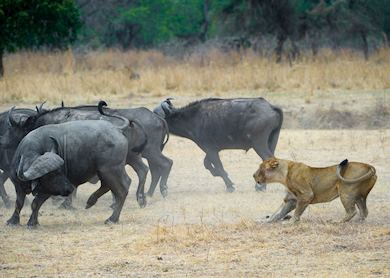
[201,231]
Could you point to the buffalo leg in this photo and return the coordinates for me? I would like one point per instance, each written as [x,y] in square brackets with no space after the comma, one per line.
[155,173]
[160,167]
[99,193]
[213,163]
[116,180]
[164,176]
[96,195]
[289,203]
[3,193]
[20,196]
[273,140]
[67,203]
[262,149]
[35,206]
[141,170]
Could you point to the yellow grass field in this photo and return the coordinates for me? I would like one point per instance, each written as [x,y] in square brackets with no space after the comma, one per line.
[200,230]
[79,78]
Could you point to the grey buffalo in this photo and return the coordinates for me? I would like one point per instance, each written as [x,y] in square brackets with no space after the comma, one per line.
[52,159]
[155,127]
[137,138]
[6,153]
[157,133]
[218,124]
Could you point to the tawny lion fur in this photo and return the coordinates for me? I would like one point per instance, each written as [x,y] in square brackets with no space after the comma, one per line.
[351,181]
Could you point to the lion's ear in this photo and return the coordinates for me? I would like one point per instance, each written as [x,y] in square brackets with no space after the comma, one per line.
[274,164]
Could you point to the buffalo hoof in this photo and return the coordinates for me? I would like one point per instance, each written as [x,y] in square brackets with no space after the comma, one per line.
[66,206]
[141,201]
[32,225]
[91,202]
[164,193]
[230,189]
[109,221]
[150,194]
[270,220]
[55,200]
[13,221]
[260,187]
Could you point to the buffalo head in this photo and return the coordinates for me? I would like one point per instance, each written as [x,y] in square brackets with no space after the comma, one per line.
[15,128]
[44,173]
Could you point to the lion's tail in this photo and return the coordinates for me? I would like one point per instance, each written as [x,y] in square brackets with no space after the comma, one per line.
[371,172]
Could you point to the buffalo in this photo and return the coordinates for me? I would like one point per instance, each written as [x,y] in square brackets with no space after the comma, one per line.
[6,153]
[218,124]
[137,138]
[154,126]
[54,158]
[157,133]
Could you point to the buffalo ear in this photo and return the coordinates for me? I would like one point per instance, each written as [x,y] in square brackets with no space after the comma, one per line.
[168,100]
[43,165]
[166,107]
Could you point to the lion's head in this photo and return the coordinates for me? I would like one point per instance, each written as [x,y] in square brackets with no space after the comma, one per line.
[271,170]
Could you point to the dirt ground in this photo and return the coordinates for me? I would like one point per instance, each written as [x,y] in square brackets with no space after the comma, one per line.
[202,231]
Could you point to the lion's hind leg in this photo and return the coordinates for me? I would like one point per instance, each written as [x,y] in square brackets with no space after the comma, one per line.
[348,202]
[362,198]
[361,204]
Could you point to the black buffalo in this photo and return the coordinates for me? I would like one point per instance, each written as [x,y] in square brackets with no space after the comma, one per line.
[6,153]
[52,159]
[158,134]
[218,124]
[137,138]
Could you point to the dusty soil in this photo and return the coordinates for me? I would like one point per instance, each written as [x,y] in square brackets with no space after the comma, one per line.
[201,231]
[302,110]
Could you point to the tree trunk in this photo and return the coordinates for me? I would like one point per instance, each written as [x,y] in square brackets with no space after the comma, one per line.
[385,40]
[314,43]
[1,64]
[279,47]
[206,23]
[363,35]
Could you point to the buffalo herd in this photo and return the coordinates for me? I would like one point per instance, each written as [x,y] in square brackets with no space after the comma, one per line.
[50,152]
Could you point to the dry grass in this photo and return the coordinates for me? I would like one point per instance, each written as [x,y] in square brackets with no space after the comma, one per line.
[76,78]
[201,231]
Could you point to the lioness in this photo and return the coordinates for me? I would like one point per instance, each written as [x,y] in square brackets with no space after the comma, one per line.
[352,181]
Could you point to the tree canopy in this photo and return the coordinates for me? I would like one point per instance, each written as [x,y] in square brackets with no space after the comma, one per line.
[149,23]
[35,23]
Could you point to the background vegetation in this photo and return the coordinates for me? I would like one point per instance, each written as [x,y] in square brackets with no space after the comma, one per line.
[256,24]
[119,48]
[240,23]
